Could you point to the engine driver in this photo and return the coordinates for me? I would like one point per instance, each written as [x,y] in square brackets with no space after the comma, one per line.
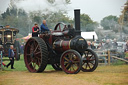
[44,27]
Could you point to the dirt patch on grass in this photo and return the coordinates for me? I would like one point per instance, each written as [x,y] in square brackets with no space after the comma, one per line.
[104,75]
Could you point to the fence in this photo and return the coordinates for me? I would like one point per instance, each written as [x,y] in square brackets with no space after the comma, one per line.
[108,55]
[104,53]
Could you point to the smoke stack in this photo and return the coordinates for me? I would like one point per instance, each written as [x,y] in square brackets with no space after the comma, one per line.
[93,37]
[77,21]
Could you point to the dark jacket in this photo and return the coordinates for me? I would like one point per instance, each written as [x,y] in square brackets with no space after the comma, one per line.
[44,28]
[126,48]
[10,53]
[114,45]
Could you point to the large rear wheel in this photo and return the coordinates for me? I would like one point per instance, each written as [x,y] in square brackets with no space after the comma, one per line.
[71,62]
[36,54]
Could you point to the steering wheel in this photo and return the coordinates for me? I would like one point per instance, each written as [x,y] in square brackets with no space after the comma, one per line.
[60,27]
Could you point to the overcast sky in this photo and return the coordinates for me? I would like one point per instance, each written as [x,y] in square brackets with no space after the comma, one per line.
[96,9]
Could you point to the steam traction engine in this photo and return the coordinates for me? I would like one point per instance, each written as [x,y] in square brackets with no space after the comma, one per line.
[63,48]
[7,38]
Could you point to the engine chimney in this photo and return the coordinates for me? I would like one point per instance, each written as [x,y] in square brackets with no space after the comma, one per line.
[77,21]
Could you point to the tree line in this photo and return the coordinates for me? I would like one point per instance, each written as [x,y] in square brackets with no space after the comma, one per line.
[24,21]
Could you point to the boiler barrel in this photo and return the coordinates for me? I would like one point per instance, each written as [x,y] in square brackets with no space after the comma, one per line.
[77,43]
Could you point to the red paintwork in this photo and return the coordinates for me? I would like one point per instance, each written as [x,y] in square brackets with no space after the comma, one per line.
[65,45]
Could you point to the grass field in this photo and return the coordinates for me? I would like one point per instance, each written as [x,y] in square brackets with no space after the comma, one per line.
[115,74]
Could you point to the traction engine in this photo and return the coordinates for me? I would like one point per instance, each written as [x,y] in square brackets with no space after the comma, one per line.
[63,48]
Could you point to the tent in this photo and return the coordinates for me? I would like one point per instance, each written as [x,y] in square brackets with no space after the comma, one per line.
[27,37]
[89,35]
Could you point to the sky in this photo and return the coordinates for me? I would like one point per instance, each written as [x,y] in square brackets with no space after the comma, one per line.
[96,9]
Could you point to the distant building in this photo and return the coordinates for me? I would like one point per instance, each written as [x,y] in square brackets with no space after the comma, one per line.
[89,35]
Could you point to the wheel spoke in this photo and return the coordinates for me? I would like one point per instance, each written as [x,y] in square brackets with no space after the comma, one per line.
[38,61]
[76,65]
[30,63]
[91,59]
[36,48]
[92,63]
[70,56]
[66,58]
[88,65]
[65,62]
[87,54]
[67,66]
[37,53]
[76,62]
[73,67]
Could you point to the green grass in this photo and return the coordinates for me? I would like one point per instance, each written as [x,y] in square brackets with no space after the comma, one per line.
[118,62]
[20,65]
[126,54]
[115,74]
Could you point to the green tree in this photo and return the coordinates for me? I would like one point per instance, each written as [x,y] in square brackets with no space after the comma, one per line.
[91,26]
[17,18]
[109,22]
[87,24]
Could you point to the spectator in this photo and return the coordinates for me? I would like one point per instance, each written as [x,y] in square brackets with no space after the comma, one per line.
[107,45]
[7,26]
[126,47]
[22,49]
[100,46]
[115,44]
[35,30]
[11,57]
[93,47]
[89,44]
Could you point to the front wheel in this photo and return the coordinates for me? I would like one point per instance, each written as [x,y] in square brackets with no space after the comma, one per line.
[89,61]
[71,62]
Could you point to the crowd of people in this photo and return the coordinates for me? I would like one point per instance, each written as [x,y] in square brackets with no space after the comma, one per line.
[107,45]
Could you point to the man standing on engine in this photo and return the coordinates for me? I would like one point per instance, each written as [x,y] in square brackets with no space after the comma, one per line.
[44,26]
[35,30]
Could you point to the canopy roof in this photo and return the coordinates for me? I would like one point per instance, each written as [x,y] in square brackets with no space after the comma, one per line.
[9,29]
[89,35]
